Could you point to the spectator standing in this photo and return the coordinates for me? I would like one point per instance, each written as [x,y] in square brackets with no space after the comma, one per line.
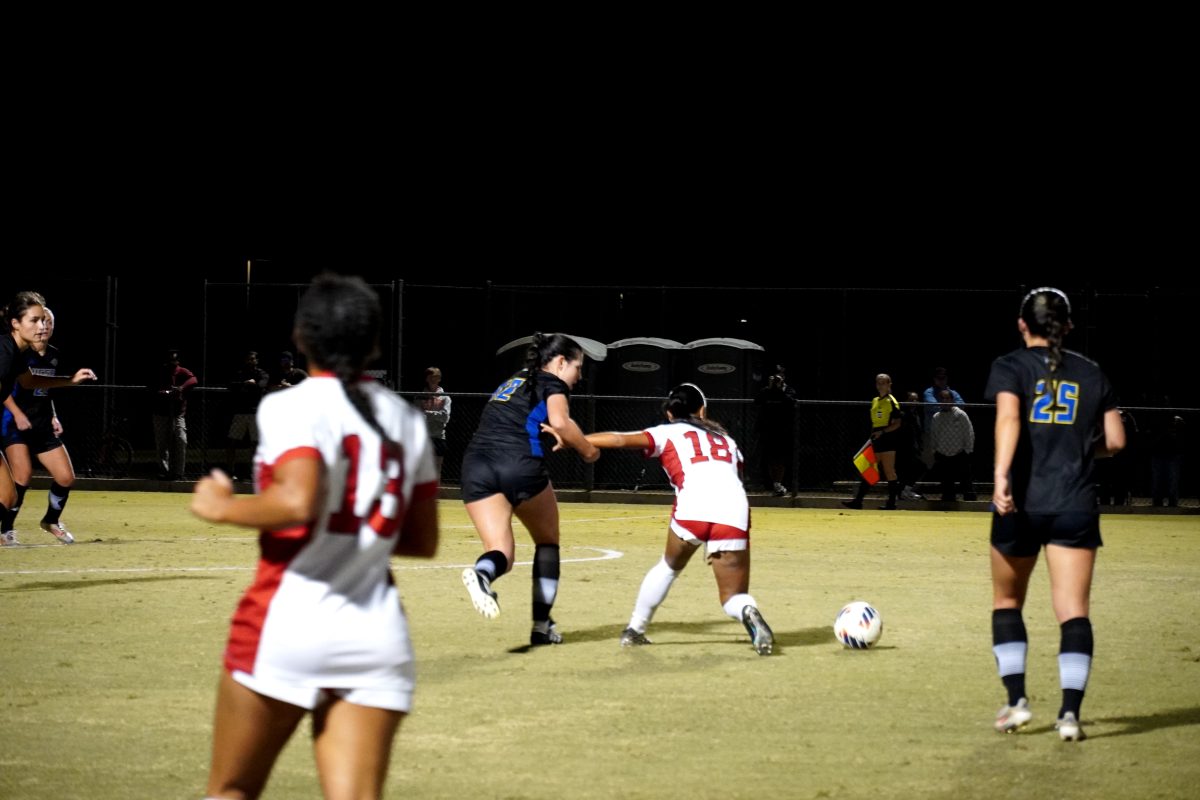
[436,405]
[287,375]
[171,387]
[953,443]
[776,426]
[246,390]
[1166,463]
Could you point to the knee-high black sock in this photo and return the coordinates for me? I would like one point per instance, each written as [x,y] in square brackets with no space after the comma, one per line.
[545,580]
[58,501]
[492,565]
[8,520]
[863,488]
[1074,663]
[893,491]
[1010,644]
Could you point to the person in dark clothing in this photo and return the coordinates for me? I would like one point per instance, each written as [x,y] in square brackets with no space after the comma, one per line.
[1166,463]
[32,428]
[26,323]
[504,473]
[776,425]
[1055,414]
[246,390]
[287,375]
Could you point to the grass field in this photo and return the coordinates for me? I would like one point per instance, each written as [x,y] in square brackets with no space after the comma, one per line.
[111,651]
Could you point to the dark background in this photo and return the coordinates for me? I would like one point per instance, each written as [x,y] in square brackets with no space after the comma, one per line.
[833,325]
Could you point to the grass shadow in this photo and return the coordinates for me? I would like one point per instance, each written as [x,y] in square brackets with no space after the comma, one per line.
[52,586]
[1132,725]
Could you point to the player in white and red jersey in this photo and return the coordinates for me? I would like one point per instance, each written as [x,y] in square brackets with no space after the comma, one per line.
[345,478]
[704,465]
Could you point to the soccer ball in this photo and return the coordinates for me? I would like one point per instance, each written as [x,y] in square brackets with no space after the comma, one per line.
[858,625]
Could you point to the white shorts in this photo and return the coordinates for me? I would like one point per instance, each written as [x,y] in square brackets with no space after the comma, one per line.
[309,698]
[716,537]
[243,425]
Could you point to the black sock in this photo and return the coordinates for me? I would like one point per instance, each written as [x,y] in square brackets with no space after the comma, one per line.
[1010,644]
[1074,663]
[492,565]
[863,488]
[545,580]
[9,519]
[893,490]
[58,501]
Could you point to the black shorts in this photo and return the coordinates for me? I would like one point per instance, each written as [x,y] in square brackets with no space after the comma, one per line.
[888,442]
[39,439]
[1021,534]
[439,448]
[487,472]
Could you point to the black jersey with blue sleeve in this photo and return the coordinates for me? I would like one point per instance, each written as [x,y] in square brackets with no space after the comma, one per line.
[36,402]
[1062,419]
[514,414]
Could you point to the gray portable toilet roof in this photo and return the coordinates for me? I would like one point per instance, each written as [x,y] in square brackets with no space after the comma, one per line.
[594,350]
[740,344]
[669,344]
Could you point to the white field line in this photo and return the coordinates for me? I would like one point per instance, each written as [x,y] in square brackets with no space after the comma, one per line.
[605,555]
[610,554]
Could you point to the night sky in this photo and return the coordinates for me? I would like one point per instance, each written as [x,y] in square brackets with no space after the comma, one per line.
[834,329]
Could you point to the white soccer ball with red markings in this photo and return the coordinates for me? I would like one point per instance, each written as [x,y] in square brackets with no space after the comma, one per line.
[858,625]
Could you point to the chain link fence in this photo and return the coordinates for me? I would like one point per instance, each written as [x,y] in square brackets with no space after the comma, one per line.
[110,434]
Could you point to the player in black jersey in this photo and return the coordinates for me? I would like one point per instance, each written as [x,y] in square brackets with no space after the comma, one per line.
[504,473]
[25,320]
[30,426]
[1055,413]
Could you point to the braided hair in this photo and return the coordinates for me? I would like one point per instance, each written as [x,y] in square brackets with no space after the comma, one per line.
[1047,313]
[684,404]
[337,322]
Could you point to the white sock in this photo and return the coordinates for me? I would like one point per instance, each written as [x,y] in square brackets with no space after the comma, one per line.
[734,605]
[654,590]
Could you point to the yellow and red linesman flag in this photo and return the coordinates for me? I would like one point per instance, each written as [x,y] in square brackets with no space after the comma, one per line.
[867,464]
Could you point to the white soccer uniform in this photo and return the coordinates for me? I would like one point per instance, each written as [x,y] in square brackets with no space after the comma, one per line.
[323,612]
[704,467]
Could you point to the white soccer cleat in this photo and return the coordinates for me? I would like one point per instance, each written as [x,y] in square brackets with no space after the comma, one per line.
[1069,729]
[58,531]
[8,539]
[480,590]
[1010,718]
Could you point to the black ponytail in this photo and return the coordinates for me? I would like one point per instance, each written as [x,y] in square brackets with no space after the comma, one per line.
[684,404]
[338,322]
[1047,313]
[544,348]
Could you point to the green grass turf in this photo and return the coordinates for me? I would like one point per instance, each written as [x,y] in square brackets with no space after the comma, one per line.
[111,652]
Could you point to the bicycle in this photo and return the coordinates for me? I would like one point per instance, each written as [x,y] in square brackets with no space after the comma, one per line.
[113,455]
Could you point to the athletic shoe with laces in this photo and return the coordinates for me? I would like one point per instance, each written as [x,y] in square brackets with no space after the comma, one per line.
[58,531]
[780,490]
[1010,718]
[8,538]
[480,590]
[548,636]
[1069,729]
[907,493]
[759,632]
[632,638]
